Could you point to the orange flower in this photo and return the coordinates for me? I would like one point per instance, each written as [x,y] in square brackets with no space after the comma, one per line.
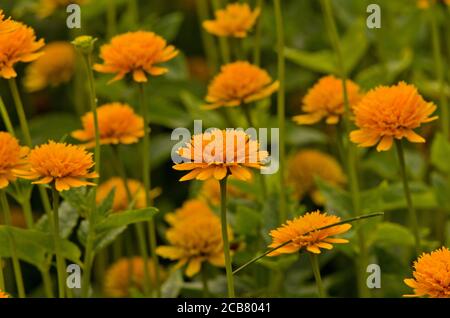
[391,112]
[326,100]
[117,123]
[239,83]
[234,21]
[431,275]
[294,230]
[48,7]
[55,67]
[3,294]
[65,165]
[136,52]
[17,44]
[11,158]
[190,208]
[210,191]
[219,153]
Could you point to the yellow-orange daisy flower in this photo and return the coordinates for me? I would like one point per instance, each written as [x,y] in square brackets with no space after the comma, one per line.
[326,100]
[308,164]
[17,44]
[53,68]
[126,275]
[117,123]
[137,53]
[239,83]
[3,294]
[431,275]
[220,153]
[210,191]
[65,166]
[195,238]
[46,8]
[121,202]
[386,113]
[193,207]
[236,20]
[12,157]
[294,230]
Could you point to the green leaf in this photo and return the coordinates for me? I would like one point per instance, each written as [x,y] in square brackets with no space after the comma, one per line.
[441,189]
[440,153]
[173,284]
[68,219]
[126,218]
[248,221]
[79,198]
[337,200]
[281,263]
[52,126]
[168,26]
[391,234]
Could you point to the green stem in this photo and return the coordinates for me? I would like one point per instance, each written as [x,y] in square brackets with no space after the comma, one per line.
[281,108]
[258,34]
[208,40]
[15,257]
[351,151]
[26,207]
[411,209]
[60,263]
[146,171]
[316,270]
[5,117]
[111,18]
[223,41]
[88,259]
[205,282]
[226,244]
[2,276]
[20,110]
[47,282]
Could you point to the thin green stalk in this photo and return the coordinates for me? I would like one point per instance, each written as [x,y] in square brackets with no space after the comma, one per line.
[146,171]
[133,12]
[26,207]
[111,22]
[258,35]
[351,152]
[5,117]
[208,40]
[20,110]
[88,259]
[223,41]
[281,107]
[60,263]
[47,282]
[15,259]
[411,209]
[205,282]
[226,244]
[316,270]
[2,276]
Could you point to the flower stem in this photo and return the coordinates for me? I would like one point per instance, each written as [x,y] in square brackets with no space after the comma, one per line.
[281,107]
[316,270]
[146,171]
[47,282]
[5,117]
[226,244]
[223,41]
[15,258]
[258,33]
[111,18]
[2,276]
[205,282]
[60,266]
[208,40]
[411,210]
[20,110]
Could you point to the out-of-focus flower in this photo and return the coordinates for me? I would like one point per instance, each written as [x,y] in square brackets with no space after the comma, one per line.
[326,100]
[137,53]
[307,164]
[198,68]
[194,237]
[236,20]
[3,294]
[17,44]
[67,166]
[431,275]
[386,113]
[54,67]
[219,153]
[190,208]
[210,191]
[121,202]
[117,123]
[46,8]
[12,157]
[17,218]
[239,83]
[295,230]
[126,275]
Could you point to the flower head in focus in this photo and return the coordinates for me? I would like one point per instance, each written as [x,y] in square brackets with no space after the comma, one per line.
[431,275]
[12,156]
[139,53]
[388,113]
[54,67]
[65,166]
[118,124]
[295,230]
[220,153]
[239,83]
[326,100]
[236,20]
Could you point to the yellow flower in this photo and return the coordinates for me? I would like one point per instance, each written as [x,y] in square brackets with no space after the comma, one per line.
[48,7]
[219,153]
[431,275]
[127,274]
[210,191]
[326,100]
[3,294]
[307,164]
[239,83]
[136,52]
[121,202]
[194,207]
[65,165]
[17,44]
[295,229]
[194,237]
[235,20]
[11,158]
[55,67]
[117,123]
[386,113]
